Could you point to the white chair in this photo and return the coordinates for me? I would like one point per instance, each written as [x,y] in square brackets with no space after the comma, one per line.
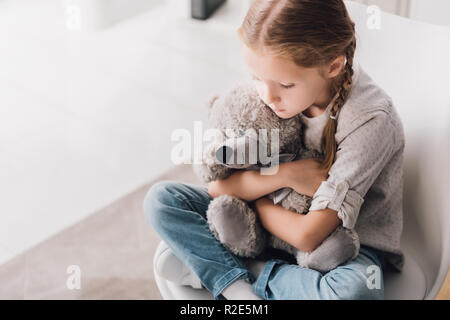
[409,61]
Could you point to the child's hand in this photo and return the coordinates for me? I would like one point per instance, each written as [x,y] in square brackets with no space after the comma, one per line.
[306,175]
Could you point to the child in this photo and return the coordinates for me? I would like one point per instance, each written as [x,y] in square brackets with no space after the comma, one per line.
[301,56]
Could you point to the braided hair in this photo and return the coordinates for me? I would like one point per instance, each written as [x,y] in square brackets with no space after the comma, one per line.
[328,141]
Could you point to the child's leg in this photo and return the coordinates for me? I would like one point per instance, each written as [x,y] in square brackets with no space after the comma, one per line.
[361,278]
[177,212]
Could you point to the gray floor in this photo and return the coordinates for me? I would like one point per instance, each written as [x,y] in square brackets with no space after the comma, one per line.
[113,248]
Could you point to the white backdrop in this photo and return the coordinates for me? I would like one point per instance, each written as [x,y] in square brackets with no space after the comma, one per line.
[435,11]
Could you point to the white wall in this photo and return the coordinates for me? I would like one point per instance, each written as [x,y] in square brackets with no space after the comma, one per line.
[399,7]
[434,11]
[96,14]
[431,11]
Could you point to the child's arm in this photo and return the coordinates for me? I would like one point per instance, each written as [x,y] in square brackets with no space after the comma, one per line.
[305,232]
[304,176]
[249,185]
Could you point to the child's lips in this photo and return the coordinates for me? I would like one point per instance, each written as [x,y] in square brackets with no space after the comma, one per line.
[275,108]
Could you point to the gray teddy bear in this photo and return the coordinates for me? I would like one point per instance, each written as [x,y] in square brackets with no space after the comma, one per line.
[240,120]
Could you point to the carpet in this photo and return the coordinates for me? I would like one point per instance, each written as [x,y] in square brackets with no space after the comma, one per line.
[112,251]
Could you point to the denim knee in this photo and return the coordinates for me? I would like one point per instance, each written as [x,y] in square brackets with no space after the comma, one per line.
[362,292]
[358,290]
[159,194]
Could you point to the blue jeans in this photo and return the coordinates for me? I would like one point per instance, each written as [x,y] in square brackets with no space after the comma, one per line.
[177,212]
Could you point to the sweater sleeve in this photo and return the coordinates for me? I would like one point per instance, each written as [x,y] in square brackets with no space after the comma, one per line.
[360,158]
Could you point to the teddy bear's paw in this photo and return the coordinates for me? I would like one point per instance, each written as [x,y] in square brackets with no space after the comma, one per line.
[296,202]
[342,245]
[235,225]
[277,243]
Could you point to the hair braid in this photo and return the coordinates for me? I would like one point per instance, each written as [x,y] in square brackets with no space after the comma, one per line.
[328,142]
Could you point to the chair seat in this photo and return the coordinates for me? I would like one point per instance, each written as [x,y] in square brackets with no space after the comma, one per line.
[409,284]
[172,291]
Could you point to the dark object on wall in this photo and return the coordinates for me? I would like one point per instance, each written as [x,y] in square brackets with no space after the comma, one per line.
[202,9]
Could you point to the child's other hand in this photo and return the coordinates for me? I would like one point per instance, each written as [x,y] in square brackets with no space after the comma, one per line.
[306,175]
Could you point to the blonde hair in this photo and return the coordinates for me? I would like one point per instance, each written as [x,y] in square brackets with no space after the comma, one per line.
[311,33]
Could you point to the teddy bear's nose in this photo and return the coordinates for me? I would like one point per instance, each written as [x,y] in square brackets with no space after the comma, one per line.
[224,154]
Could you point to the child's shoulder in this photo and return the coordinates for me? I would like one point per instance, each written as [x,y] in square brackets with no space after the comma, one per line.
[365,101]
[365,96]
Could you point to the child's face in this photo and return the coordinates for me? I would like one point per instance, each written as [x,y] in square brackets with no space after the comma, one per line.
[285,87]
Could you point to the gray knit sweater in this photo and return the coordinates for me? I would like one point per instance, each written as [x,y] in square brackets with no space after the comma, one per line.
[365,183]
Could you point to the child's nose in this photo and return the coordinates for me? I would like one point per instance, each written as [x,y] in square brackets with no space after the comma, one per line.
[270,96]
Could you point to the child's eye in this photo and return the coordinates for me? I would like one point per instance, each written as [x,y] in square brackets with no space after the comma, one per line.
[286,86]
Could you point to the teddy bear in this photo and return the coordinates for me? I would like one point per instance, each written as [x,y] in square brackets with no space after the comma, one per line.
[248,135]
